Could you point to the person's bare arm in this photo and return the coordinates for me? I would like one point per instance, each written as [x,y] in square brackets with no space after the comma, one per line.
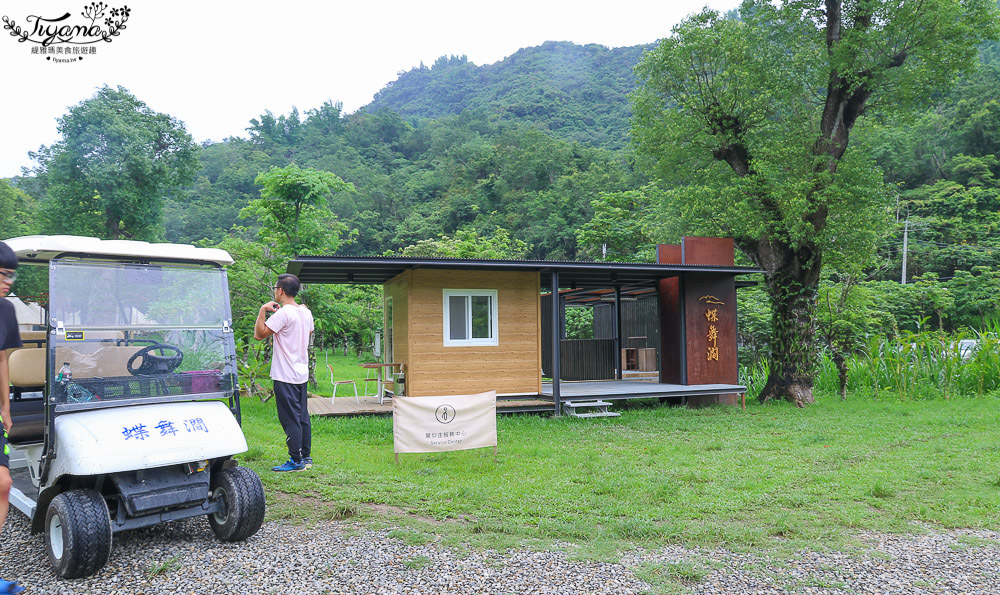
[5,389]
[260,330]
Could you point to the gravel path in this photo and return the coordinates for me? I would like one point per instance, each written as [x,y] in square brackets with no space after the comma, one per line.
[341,557]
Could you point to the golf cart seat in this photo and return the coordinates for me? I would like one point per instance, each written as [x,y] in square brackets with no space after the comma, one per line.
[27,370]
[27,374]
[28,417]
[30,339]
[107,362]
[27,365]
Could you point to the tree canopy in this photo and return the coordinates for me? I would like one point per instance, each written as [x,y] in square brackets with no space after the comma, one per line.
[750,118]
[117,161]
[293,209]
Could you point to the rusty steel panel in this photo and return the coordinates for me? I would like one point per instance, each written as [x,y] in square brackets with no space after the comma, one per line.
[668,254]
[712,251]
[671,331]
[671,318]
[710,322]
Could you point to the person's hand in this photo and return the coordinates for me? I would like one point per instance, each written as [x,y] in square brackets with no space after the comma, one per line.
[7,423]
[270,307]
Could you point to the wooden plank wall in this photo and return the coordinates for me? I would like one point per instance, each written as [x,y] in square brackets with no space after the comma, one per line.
[512,366]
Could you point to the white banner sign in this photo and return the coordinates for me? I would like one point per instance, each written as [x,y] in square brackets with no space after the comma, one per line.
[436,424]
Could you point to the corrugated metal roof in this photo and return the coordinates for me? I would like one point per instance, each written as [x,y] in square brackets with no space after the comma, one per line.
[378,270]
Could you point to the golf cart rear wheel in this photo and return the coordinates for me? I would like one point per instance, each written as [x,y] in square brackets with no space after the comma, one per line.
[242,497]
[77,533]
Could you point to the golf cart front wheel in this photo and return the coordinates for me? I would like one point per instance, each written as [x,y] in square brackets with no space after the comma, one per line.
[241,495]
[78,533]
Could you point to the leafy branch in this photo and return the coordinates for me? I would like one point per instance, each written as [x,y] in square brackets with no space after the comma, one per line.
[15,31]
[253,367]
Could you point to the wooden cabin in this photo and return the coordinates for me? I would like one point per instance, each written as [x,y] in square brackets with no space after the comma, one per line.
[463,326]
[457,330]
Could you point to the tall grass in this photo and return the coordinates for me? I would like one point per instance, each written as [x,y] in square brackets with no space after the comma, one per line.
[754,377]
[925,365]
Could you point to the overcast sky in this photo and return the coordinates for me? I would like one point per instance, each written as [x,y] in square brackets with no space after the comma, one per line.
[215,64]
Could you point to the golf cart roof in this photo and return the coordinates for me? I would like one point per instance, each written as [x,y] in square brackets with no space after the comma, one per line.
[45,248]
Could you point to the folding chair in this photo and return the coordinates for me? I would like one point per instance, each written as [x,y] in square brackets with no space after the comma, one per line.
[337,383]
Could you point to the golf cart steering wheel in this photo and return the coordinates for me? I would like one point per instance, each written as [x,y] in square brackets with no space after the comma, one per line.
[153,363]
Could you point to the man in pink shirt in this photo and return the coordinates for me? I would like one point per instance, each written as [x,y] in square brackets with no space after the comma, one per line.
[290,324]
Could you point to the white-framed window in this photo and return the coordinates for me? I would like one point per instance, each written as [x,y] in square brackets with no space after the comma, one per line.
[470,317]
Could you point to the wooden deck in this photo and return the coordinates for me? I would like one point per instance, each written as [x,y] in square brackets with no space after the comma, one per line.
[527,403]
[346,406]
[629,389]
[696,395]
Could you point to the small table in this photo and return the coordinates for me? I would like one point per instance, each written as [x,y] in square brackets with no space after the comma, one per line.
[380,371]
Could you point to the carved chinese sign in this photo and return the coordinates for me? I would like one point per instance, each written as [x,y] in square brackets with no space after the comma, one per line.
[712,317]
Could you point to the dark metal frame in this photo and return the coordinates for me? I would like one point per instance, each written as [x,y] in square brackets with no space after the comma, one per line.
[372,270]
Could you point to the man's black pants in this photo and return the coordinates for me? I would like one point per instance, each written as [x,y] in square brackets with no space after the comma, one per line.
[293,413]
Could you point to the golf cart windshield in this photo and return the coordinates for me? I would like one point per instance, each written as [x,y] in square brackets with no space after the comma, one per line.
[126,331]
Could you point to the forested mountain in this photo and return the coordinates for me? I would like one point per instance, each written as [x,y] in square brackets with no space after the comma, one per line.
[579,93]
[525,145]
[412,182]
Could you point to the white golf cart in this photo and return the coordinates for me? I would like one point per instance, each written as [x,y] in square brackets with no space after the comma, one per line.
[124,398]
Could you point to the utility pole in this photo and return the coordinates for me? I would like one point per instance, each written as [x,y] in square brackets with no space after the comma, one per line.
[906,238]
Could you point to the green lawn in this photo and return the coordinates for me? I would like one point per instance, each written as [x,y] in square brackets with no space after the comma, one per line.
[772,477]
[345,367]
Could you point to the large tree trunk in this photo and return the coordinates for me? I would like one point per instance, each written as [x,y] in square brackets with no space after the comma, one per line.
[841,362]
[792,280]
[113,226]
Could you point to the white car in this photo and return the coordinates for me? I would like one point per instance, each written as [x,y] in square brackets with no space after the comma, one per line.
[124,401]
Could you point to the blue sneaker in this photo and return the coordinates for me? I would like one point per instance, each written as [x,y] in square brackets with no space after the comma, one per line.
[10,587]
[289,465]
[307,462]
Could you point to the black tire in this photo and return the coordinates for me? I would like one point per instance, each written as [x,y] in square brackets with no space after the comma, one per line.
[77,533]
[242,496]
